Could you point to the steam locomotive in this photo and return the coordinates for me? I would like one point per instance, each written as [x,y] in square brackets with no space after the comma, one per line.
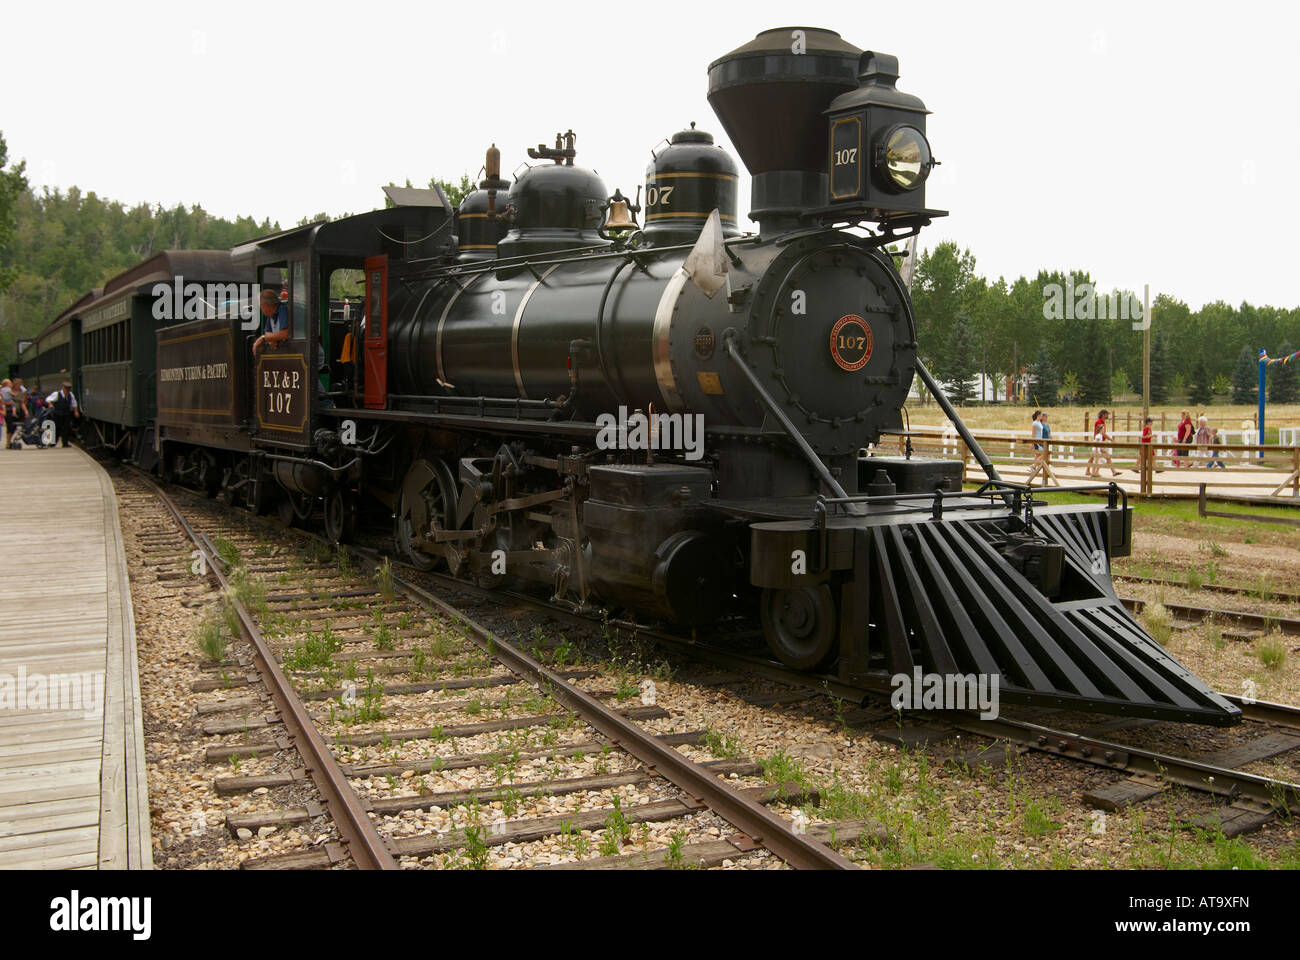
[670,418]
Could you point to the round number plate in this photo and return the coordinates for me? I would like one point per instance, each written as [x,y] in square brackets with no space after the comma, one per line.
[851,342]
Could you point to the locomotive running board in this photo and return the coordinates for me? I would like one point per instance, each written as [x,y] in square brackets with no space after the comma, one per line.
[938,595]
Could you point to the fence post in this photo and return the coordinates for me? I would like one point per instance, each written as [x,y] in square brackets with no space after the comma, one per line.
[1295,466]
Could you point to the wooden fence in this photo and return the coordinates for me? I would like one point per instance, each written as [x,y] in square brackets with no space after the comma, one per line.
[1163,466]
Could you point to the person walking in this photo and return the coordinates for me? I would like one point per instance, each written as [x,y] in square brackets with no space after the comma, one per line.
[1036,429]
[1101,455]
[1185,433]
[1216,453]
[65,408]
[1204,436]
[1146,451]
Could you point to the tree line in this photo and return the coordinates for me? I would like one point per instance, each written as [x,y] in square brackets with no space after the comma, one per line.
[1076,342]
[55,246]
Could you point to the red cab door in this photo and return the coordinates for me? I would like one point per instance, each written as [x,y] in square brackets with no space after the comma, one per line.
[375,342]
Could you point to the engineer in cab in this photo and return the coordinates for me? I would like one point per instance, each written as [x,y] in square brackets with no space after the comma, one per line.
[275,322]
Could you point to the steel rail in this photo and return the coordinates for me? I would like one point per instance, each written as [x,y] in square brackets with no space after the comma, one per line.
[367,847]
[1278,595]
[1260,711]
[768,669]
[752,818]
[1207,777]
[1194,774]
[1266,711]
[1259,621]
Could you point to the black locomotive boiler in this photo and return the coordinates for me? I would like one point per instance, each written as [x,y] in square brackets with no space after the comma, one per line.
[673,419]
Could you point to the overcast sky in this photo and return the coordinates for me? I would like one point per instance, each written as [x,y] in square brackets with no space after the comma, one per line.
[1142,141]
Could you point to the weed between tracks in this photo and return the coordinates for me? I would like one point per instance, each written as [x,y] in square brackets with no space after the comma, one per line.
[992,818]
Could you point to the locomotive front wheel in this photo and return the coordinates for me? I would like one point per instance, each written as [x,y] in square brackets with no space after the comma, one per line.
[340,517]
[799,625]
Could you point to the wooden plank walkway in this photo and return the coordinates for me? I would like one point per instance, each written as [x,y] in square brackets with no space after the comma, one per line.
[73,789]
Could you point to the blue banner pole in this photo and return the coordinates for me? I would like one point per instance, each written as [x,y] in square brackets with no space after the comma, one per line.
[1263,366]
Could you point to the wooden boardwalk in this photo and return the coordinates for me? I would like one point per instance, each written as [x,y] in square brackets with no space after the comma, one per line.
[73,790]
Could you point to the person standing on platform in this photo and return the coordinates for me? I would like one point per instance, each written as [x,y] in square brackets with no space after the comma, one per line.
[7,401]
[21,393]
[65,408]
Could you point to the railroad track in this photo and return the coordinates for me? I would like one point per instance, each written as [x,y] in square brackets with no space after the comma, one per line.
[373,832]
[1191,614]
[1254,800]
[1143,772]
[1260,593]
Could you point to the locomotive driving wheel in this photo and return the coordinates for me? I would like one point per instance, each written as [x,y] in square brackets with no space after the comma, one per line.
[340,517]
[799,625]
[427,504]
[294,508]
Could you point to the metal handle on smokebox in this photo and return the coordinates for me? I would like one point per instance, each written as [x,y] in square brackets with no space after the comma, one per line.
[814,461]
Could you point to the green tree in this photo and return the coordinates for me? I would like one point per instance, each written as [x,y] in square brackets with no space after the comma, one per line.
[456,192]
[1283,383]
[938,296]
[960,366]
[1046,382]
[1200,394]
[1069,391]
[1095,381]
[13,184]
[1120,384]
[1245,378]
[1159,373]
[66,243]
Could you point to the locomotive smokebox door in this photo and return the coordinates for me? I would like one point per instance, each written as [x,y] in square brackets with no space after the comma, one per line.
[879,158]
[376,339]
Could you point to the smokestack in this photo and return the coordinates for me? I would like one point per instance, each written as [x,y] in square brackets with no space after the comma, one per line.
[771,95]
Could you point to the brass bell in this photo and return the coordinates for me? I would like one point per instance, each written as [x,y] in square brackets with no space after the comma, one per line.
[619,217]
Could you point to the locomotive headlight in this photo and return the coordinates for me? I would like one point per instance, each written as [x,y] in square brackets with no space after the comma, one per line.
[905,159]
